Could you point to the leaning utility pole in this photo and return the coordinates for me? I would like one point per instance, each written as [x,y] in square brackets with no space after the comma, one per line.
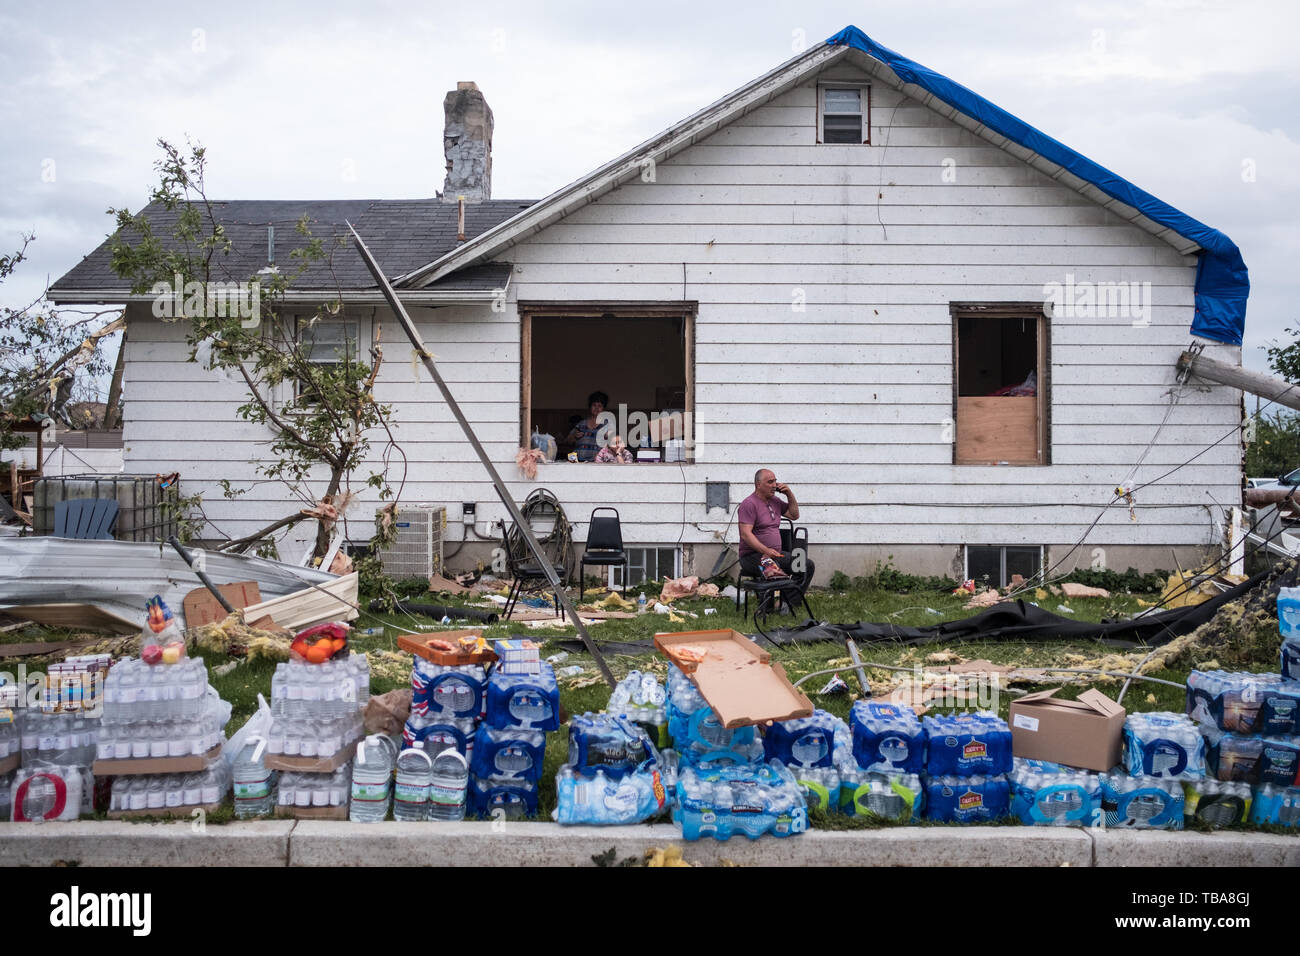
[502,492]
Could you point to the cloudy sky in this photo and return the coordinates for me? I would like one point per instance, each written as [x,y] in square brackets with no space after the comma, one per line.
[1193,100]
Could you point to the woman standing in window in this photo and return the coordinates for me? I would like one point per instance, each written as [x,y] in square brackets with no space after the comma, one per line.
[584,433]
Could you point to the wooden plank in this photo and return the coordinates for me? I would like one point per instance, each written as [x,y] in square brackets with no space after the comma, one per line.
[41,648]
[525,379]
[997,428]
[199,607]
[311,605]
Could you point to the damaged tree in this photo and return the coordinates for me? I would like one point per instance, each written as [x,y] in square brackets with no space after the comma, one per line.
[318,412]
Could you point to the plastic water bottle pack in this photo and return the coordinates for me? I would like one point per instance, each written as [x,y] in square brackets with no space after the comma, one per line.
[320,737]
[1163,744]
[527,701]
[1252,759]
[446,691]
[1216,802]
[499,798]
[807,741]
[820,786]
[899,797]
[43,793]
[613,745]
[1141,803]
[1270,804]
[641,699]
[332,688]
[68,740]
[698,735]
[1048,794]
[964,745]
[169,791]
[302,790]
[887,738]
[603,799]
[752,800]
[135,690]
[513,754]
[439,733]
[967,799]
[1244,703]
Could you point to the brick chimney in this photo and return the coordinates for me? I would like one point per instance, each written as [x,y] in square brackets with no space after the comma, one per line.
[467,141]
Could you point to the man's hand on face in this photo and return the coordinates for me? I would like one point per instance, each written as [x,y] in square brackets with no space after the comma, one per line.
[783,488]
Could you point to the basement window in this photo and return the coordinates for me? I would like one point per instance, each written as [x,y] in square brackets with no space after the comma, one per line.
[1000,384]
[646,564]
[640,356]
[844,114]
[994,565]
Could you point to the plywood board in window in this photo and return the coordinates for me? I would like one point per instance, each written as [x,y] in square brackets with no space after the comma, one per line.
[992,429]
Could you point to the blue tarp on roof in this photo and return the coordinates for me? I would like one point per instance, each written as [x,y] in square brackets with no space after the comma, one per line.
[1222,283]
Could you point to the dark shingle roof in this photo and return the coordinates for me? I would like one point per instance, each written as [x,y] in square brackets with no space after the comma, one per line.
[403,234]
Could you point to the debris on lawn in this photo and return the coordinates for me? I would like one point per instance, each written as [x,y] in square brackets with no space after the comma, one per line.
[1073,590]
[984,599]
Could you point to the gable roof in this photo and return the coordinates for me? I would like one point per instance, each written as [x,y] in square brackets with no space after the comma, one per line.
[404,233]
[1222,282]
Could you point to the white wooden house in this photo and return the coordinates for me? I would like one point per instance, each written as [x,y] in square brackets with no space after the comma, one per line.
[831,271]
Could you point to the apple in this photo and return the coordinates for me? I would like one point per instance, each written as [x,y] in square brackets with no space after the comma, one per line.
[151,654]
[171,653]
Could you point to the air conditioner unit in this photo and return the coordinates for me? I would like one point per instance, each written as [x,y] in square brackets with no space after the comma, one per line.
[417,550]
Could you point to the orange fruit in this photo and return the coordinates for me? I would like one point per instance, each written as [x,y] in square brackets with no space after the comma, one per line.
[340,643]
[317,654]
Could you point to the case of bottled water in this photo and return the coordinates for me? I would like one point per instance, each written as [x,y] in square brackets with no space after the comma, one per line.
[1244,703]
[1252,759]
[299,791]
[885,796]
[613,745]
[1290,655]
[641,699]
[1271,804]
[752,800]
[967,799]
[820,786]
[697,733]
[512,754]
[603,799]
[66,740]
[806,741]
[171,791]
[446,691]
[1163,744]
[1288,613]
[1217,803]
[41,793]
[1142,803]
[964,745]
[887,738]
[1048,794]
[527,701]
[439,733]
[496,798]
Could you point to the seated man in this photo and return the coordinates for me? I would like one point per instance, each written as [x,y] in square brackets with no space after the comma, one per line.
[759,517]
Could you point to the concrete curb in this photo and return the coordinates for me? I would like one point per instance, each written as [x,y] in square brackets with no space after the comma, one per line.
[328,843]
[117,843]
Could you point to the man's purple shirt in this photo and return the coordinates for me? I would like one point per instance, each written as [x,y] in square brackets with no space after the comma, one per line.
[765,516]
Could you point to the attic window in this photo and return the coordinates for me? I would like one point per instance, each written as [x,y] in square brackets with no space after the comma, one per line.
[844,114]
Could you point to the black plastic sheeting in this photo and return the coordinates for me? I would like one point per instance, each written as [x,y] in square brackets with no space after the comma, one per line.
[1022,621]
[1009,621]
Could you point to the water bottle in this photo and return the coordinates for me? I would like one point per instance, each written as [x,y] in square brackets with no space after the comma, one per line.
[253,785]
[640,603]
[414,778]
[447,787]
[372,773]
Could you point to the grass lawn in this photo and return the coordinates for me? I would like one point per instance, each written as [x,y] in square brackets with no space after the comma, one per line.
[587,691]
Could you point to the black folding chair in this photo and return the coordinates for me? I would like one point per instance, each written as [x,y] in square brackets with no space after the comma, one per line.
[604,546]
[790,591]
[528,576]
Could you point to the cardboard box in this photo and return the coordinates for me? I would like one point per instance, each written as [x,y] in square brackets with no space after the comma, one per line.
[138,765]
[311,813]
[736,677]
[419,646]
[1086,733]
[185,811]
[311,764]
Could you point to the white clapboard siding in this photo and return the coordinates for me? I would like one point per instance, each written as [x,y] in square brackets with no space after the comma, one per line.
[846,393]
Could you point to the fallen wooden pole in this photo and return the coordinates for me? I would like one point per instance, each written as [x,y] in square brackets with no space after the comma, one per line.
[502,492]
[1269,387]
